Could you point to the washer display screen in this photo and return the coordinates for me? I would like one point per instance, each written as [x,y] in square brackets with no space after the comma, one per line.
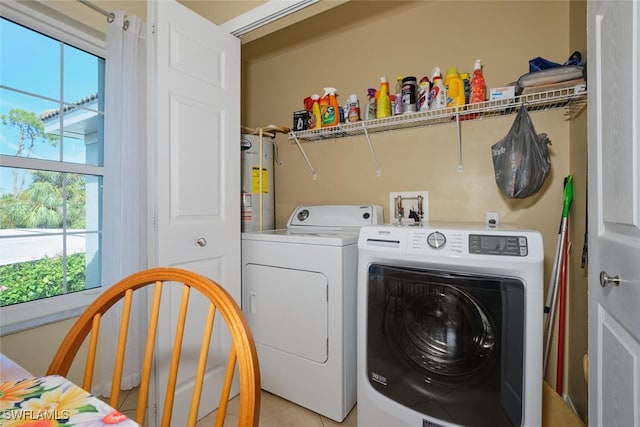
[498,245]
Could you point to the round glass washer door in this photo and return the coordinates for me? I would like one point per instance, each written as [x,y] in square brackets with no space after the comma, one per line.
[443,330]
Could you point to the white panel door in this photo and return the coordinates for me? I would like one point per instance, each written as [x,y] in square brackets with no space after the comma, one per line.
[614,213]
[195,129]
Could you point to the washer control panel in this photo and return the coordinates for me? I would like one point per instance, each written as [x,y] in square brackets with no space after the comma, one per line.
[334,217]
[451,241]
[508,245]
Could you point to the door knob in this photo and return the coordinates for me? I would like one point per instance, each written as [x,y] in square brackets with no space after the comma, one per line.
[605,279]
[202,242]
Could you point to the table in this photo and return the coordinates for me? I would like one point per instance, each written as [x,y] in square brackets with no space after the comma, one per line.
[10,370]
[51,400]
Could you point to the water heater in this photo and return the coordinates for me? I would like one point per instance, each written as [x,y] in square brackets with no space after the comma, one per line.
[257,180]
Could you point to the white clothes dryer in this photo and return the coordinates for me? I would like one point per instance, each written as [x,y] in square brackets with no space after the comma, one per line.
[449,326]
[299,297]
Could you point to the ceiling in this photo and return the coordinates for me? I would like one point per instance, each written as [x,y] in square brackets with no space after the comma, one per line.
[226,13]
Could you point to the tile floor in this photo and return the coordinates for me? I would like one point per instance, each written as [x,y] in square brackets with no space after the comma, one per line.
[277,412]
[274,412]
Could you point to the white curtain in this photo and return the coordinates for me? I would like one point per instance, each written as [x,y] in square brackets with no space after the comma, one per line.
[124,226]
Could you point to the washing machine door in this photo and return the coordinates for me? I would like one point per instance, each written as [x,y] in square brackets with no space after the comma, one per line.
[447,344]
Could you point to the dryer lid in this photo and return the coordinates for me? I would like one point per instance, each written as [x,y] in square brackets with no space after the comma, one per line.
[334,217]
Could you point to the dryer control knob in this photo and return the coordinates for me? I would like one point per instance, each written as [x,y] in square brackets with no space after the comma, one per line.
[436,240]
[303,215]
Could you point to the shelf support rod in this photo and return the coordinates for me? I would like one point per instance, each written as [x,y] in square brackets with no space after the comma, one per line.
[306,159]
[458,131]
[373,153]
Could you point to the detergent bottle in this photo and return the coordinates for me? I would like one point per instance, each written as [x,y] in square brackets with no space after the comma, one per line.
[329,107]
[478,87]
[455,88]
[383,105]
[438,93]
[316,116]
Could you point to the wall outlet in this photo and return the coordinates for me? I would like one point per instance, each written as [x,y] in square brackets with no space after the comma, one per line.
[492,219]
[408,206]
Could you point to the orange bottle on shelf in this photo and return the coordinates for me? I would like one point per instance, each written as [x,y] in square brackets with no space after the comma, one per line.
[316,116]
[331,112]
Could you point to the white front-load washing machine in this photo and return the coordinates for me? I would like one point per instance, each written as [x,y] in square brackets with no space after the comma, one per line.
[449,326]
[299,298]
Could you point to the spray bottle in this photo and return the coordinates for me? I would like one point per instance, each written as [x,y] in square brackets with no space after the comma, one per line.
[371,104]
[331,113]
[398,94]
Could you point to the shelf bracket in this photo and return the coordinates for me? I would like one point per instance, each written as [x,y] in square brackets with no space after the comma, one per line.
[373,153]
[306,159]
[458,131]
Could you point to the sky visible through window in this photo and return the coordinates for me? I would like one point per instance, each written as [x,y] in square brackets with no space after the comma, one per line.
[50,194]
[31,64]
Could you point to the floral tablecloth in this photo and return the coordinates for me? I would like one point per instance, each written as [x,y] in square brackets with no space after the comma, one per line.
[54,401]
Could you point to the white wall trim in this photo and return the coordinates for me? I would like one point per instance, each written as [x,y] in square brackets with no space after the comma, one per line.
[264,14]
[36,20]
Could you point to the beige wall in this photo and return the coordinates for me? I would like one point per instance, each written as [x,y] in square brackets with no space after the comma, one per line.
[280,71]
[33,349]
[350,47]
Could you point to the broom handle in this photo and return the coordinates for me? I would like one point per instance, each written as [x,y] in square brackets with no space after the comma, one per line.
[562,316]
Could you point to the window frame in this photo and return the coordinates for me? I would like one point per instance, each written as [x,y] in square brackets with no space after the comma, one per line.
[28,315]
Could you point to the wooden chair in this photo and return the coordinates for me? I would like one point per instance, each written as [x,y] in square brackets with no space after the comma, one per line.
[243,351]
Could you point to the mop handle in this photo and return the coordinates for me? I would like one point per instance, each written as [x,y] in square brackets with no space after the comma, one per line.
[552,295]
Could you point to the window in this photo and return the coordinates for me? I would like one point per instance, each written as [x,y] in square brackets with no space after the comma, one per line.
[51,168]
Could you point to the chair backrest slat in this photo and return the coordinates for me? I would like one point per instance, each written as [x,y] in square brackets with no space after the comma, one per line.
[145,379]
[91,352]
[118,365]
[222,305]
[226,387]
[175,357]
[202,365]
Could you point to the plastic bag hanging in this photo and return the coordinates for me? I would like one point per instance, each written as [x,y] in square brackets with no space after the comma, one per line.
[521,159]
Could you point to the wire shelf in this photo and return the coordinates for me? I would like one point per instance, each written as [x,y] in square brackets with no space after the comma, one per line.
[572,99]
